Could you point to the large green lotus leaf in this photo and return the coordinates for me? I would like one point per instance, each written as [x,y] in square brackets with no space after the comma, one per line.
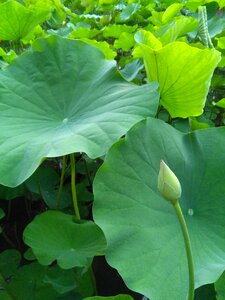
[183,72]
[61,97]
[54,235]
[16,21]
[143,234]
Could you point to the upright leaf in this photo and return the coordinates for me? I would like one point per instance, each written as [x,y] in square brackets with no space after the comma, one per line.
[16,21]
[183,73]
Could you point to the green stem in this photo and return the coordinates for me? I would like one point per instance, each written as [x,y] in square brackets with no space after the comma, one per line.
[187,242]
[61,182]
[93,281]
[73,186]
[8,240]
[6,287]
[9,209]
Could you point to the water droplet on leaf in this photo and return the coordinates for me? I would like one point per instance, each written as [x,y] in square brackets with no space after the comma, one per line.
[190,212]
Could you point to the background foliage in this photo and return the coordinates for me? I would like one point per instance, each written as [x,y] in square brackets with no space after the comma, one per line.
[112,87]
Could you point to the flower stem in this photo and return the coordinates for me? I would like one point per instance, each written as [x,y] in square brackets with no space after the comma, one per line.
[93,281]
[73,186]
[61,182]
[187,242]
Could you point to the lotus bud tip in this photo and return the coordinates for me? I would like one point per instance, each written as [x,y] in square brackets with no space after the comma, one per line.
[168,184]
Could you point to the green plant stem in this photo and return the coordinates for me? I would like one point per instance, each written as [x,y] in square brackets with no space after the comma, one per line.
[73,186]
[9,209]
[61,182]
[8,240]
[93,281]
[6,287]
[187,242]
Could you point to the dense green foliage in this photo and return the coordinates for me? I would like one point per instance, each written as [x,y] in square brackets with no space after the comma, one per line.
[93,95]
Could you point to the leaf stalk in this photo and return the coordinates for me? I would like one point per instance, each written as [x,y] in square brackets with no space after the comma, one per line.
[73,186]
[188,248]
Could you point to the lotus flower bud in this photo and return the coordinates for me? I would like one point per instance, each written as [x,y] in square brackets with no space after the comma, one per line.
[168,184]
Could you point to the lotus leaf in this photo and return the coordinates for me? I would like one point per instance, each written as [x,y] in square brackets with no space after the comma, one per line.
[61,97]
[182,71]
[144,238]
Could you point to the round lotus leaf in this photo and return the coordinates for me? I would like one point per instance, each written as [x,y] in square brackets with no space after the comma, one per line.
[54,235]
[144,238]
[60,97]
